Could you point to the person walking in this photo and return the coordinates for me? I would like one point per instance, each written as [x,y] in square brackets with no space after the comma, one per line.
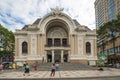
[1,67]
[26,69]
[57,66]
[53,67]
[35,66]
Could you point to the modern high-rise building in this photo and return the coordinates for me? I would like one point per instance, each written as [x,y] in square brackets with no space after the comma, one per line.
[100,12]
[106,10]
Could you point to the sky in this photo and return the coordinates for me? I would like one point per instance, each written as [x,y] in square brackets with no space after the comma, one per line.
[14,14]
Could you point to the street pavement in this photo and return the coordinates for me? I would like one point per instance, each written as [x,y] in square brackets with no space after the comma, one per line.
[68,71]
[63,75]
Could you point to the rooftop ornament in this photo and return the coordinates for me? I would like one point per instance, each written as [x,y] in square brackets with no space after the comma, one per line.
[56,11]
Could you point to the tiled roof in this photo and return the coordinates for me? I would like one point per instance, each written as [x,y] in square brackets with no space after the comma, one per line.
[37,21]
[25,27]
[76,22]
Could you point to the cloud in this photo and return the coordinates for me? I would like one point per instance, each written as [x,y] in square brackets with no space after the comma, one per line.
[14,14]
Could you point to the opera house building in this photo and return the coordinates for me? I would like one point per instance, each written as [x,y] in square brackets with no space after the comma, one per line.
[56,37]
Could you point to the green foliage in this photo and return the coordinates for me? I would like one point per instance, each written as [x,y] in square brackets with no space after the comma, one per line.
[101,59]
[113,25]
[7,39]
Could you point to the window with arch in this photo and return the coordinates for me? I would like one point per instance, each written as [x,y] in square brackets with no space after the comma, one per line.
[24,47]
[88,47]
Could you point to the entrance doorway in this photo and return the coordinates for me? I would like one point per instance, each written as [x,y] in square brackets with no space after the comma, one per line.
[65,57]
[49,58]
[57,57]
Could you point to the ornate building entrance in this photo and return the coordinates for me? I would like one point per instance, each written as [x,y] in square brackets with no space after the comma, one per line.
[57,56]
[57,41]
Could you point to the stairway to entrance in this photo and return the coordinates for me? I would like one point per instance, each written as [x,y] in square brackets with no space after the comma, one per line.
[64,67]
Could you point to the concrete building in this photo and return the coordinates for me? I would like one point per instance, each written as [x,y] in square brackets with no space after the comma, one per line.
[56,38]
[100,12]
[106,10]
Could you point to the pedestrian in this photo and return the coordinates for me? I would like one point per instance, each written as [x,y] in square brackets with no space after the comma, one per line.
[35,66]
[26,69]
[53,70]
[57,66]
[1,67]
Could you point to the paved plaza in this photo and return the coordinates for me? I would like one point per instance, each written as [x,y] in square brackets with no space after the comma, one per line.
[68,71]
[60,74]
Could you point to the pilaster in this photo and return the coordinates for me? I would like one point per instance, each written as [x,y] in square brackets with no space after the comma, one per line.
[16,47]
[62,56]
[29,44]
[53,56]
[38,44]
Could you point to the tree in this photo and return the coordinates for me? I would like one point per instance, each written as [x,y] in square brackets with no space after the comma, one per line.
[117,23]
[113,25]
[7,39]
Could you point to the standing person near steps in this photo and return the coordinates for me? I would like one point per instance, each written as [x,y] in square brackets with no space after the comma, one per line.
[1,67]
[35,66]
[53,70]
[27,70]
[57,66]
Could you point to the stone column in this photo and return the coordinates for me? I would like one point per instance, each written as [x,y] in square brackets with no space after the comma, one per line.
[62,57]
[45,56]
[53,56]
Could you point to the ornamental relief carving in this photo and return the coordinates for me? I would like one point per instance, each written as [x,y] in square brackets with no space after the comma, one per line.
[56,32]
[56,11]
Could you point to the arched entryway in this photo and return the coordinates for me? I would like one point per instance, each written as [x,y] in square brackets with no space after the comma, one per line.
[57,39]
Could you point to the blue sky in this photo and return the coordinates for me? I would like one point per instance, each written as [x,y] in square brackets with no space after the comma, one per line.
[14,14]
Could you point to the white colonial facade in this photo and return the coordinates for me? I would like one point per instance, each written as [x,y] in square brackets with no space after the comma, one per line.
[55,38]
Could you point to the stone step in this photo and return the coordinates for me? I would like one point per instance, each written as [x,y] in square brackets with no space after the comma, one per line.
[62,67]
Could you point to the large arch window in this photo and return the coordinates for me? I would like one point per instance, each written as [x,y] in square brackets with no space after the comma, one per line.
[88,47]
[24,47]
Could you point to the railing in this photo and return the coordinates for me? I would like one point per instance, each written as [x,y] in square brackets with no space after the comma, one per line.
[57,45]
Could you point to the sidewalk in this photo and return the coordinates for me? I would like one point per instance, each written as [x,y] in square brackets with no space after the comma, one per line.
[61,74]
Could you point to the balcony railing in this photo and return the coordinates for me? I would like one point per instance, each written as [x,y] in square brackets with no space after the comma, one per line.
[57,45]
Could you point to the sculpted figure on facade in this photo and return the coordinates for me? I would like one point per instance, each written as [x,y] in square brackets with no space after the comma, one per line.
[56,11]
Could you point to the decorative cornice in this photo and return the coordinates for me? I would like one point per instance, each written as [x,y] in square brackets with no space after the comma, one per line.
[80,29]
[32,28]
[20,33]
